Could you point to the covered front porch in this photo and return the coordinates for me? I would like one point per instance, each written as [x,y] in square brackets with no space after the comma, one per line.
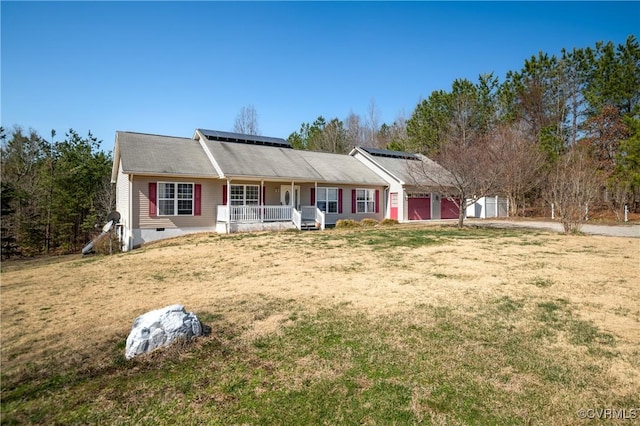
[248,206]
[257,218]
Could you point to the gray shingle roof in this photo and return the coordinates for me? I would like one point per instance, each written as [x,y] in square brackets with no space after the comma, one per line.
[411,169]
[396,166]
[142,153]
[155,154]
[237,160]
[427,172]
[243,160]
[340,168]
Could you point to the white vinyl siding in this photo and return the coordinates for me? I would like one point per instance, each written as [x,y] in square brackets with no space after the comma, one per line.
[123,200]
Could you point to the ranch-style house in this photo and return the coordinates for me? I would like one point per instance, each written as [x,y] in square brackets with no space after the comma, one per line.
[228,182]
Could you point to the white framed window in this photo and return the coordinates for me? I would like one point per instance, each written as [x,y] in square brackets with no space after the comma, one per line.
[242,195]
[327,200]
[365,201]
[175,199]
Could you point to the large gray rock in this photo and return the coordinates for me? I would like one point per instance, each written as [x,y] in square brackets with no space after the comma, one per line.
[161,327]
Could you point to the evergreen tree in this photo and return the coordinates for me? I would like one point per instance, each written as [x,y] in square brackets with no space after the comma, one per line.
[66,177]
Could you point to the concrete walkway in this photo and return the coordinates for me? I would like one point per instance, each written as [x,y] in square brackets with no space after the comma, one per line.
[608,230]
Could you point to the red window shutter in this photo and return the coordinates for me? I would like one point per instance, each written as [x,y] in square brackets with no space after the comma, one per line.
[197,203]
[340,200]
[224,194]
[264,195]
[153,210]
[353,201]
[377,201]
[313,196]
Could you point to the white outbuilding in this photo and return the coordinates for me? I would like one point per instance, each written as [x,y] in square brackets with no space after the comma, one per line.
[489,207]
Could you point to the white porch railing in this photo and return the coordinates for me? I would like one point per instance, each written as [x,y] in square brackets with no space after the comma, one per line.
[320,218]
[276,213]
[253,214]
[296,218]
[249,214]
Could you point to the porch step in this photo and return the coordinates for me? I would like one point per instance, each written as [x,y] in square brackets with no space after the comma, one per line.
[308,226]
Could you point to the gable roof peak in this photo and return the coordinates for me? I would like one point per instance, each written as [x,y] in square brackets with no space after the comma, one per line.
[148,134]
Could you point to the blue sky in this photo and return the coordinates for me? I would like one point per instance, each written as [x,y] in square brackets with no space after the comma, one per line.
[169,67]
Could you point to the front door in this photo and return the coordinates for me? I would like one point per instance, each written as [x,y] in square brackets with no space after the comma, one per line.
[394,205]
[289,198]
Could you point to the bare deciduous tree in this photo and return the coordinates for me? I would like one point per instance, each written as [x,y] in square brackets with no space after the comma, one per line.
[464,173]
[247,121]
[372,125]
[394,136]
[355,131]
[475,170]
[604,133]
[619,194]
[466,148]
[105,198]
[573,186]
[521,162]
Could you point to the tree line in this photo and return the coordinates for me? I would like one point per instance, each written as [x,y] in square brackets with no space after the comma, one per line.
[563,129]
[54,192]
[340,136]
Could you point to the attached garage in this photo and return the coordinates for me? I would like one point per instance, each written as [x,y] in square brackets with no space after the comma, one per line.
[419,206]
[449,209]
[416,184]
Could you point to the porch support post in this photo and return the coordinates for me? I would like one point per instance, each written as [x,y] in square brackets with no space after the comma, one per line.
[262,201]
[315,186]
[228,206]
[291,199]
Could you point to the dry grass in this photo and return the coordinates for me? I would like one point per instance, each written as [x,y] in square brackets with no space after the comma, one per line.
[67,310]
[92,298]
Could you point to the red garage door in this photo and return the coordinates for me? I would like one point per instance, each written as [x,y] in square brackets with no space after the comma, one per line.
[419,206]
[449,209]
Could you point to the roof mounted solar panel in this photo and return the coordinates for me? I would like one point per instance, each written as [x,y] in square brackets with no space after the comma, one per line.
[216,135]
[390,154]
